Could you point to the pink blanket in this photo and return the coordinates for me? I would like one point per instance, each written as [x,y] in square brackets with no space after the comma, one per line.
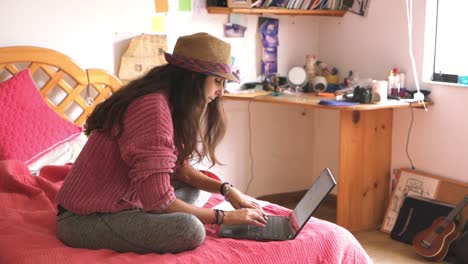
[27,228]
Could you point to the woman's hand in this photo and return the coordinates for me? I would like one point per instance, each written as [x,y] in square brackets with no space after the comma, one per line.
[239,200]
[245,216]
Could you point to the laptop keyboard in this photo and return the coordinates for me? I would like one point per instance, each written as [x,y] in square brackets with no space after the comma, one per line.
[273,228]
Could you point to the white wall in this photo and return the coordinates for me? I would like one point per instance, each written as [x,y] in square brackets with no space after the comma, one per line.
[85,30]
[96,33]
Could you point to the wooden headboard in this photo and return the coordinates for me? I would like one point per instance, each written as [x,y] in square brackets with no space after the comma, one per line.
[63,84]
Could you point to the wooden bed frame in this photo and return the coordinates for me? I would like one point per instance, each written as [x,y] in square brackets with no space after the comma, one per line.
[53,70]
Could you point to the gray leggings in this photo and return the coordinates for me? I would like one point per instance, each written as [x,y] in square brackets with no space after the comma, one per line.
[135,230]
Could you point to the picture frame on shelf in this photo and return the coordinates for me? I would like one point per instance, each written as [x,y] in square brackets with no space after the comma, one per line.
[239,3]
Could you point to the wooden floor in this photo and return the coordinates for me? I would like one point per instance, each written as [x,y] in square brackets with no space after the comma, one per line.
[380,247]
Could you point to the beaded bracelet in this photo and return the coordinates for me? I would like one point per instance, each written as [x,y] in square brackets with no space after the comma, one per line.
[218,220]
[221,189]
[226,193]
[224,214]
[216,211]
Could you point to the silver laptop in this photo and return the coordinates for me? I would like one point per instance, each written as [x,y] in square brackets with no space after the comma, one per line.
[286,227]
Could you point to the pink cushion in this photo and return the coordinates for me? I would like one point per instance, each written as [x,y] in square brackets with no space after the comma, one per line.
[28,126]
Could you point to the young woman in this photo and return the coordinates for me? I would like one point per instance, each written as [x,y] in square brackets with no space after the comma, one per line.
[132,186]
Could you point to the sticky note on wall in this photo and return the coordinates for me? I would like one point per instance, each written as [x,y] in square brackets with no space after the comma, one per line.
[185,5]
[161,6]
[158,23]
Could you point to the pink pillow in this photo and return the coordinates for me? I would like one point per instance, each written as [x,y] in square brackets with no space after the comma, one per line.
[28,126]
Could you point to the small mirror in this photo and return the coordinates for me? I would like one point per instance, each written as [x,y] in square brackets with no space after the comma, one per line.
[297,78]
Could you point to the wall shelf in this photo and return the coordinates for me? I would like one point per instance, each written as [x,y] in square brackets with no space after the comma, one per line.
[275,11]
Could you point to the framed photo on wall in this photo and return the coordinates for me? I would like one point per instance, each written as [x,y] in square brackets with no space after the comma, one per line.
[240,3]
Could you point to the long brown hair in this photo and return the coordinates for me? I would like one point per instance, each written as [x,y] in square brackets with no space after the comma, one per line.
[193,122]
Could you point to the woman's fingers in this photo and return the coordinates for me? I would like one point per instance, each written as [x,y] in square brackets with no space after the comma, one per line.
[257,217]
[252,204]
[245,216]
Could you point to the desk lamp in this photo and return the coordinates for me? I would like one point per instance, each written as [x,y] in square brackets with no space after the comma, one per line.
[418,96]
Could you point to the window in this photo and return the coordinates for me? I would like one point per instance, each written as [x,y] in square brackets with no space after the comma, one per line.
[451,42]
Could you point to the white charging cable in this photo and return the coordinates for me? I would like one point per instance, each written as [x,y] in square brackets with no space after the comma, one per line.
[418,96]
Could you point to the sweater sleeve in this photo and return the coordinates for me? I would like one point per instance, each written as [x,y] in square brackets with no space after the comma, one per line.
[147,147]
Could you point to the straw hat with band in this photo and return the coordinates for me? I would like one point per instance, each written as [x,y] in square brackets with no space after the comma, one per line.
[203,53]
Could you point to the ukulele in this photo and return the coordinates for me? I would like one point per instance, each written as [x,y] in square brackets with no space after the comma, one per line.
[433,242]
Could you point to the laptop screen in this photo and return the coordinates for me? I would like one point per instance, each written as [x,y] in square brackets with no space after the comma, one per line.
[311,200]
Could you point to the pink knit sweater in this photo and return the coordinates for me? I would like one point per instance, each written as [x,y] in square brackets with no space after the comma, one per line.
[131,172]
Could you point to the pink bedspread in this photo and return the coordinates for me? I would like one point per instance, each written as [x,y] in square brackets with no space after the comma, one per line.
[27,228]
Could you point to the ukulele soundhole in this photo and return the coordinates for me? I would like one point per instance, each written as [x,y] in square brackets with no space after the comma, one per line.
[439,229]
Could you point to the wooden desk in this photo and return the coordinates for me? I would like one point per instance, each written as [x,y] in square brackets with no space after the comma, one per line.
[365,147]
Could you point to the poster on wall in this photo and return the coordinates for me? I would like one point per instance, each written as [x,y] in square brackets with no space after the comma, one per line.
[236,27]
[358,7]
[268,30]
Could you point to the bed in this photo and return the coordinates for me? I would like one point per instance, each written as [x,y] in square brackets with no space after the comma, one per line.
[45,99]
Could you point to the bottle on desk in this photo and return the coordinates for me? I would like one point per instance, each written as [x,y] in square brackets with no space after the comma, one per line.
[391,82]
[394,83]
[402,85]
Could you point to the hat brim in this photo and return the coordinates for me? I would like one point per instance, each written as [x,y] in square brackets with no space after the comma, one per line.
[208,68]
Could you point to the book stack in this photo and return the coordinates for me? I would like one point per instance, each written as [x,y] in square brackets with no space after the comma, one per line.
[300,4]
